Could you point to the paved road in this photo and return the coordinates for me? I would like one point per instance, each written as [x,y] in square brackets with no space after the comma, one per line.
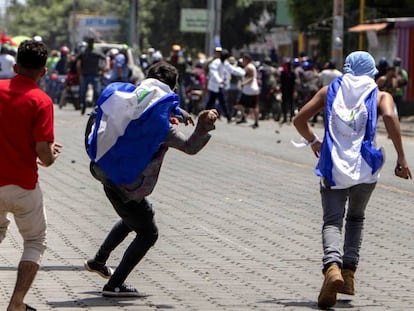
[239,230]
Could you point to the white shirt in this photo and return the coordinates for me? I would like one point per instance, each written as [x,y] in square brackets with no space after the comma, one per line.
[219,74]
[6,66]
[326,76]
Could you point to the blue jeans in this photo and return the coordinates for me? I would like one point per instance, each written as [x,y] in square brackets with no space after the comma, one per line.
[135,216]
[85,80]
[333,204]
[211,102]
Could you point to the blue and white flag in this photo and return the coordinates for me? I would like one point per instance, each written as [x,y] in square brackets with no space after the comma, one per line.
[131,124]
[348,155]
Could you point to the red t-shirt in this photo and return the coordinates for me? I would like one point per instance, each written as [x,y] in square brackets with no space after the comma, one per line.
[26,117]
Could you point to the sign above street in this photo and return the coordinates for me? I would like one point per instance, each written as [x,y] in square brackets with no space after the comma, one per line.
[193,20]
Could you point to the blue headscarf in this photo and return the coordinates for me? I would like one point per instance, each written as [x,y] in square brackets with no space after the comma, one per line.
[360,63]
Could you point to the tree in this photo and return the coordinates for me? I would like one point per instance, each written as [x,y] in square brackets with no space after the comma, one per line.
[159,21]
[50,18]
[314,18]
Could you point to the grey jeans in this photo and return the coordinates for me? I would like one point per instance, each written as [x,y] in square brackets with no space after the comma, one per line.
[334,208]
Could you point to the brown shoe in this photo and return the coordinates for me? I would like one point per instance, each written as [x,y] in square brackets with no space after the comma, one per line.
[349,282]
[332,283]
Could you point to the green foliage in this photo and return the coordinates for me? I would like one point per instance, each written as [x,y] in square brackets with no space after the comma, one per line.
[159,21]
[314,18]
[45,18]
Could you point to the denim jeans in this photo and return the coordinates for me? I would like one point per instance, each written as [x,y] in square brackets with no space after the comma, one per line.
[135,216]
[333,204]
[95,80]
[220,96]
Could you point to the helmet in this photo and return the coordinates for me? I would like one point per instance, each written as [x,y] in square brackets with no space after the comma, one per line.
[157,56]
[397,62]
[307,65]
[296,62]
[383,62]
[64,50]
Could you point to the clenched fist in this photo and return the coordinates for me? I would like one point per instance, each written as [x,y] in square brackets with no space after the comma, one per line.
[208,116]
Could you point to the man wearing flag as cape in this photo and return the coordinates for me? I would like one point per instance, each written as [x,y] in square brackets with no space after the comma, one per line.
[133,130]
[349,164]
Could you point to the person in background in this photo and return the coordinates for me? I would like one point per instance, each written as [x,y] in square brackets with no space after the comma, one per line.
[233,92]
[328,74]
[402,81]
[120,71]
[7,63]
[388,83]
[288,89]
[90,65]
[23,148]
[349,164]
[268,83]
[62,64]
[249,98]
[219,71]
[50,77]
[382,67]
[178,61]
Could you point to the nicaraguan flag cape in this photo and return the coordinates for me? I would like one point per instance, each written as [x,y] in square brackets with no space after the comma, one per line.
[348,155]
[131,124]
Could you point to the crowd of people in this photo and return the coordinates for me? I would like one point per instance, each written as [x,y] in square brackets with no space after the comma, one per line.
[261,88]
[127,146]
[239,86]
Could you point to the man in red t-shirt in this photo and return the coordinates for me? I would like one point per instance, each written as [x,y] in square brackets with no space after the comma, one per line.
[26,141]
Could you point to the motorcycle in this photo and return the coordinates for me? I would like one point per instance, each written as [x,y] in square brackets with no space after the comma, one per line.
[194,94]
[70,93]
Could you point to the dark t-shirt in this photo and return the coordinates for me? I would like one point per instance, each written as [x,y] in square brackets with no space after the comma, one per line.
[91,62]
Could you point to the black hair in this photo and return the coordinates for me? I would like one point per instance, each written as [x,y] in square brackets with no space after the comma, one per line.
[32,54]
[164,72]
[247,56]
[225,54]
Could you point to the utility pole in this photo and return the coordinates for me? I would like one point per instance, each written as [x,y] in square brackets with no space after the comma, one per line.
[132,38]
[361,20]
[74,31]
[337,31]
[6,17]
[214,25]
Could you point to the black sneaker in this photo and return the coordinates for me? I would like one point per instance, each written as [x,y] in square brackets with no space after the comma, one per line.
[122,291]
[103,270]
[242,120]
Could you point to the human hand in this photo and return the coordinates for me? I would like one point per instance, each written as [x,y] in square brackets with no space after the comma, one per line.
[402,171]
[316,147]
[55,149]
[208,117]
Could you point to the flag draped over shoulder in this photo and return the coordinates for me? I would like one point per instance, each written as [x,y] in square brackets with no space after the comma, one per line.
[131,124]
[348,155]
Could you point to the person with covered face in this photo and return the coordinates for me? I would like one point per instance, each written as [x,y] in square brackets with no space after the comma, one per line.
[348,164]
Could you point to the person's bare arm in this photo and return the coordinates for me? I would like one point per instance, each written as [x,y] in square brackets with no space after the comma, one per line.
[47,152]
[392,125]
[248,78]
[316,104]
